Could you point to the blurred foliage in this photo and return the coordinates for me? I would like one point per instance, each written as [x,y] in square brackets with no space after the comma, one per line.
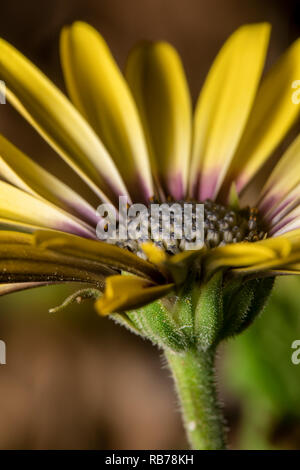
[260,373]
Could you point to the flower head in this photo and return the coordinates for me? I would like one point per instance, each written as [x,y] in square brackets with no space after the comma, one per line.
[136,136]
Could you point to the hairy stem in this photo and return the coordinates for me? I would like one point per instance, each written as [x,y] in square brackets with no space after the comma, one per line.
[193,372]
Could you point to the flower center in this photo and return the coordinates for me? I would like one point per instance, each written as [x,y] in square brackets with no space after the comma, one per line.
[221,226]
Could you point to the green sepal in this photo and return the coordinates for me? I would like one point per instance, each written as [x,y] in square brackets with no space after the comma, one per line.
[200,315]
[263,290]
[183,312]
[208,319]
[123,320]
[157,322]
[77,297]
[230,289]
[237,309]
[245,304]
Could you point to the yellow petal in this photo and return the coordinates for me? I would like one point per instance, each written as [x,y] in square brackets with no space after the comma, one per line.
[9,224]
[263,256]
[154,254]
[20,270]
[99,91]
[8,236]
[237,255]
[52,114]
[294,238]
[224,105]
[273,267]
[283,180]
[286,173]
[290,222]
[273,207]
[20,286]
[18,169]
[24,262]
[18,206]
[102,252]
[291,269]
[272,115]
[127,293]
[281,246]
[157,80]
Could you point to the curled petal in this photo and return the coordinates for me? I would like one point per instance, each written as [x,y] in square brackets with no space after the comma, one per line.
[129,292]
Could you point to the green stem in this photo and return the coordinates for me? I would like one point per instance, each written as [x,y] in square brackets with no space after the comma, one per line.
[193,372]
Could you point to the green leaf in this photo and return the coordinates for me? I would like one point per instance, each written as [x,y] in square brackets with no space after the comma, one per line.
[259,372]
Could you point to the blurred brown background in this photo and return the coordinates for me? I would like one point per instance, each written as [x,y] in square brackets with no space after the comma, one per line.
[75,380]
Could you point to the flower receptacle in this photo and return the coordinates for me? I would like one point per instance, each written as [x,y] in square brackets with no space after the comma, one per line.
[201,315]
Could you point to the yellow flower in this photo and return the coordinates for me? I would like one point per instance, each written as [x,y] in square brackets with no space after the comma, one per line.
[138,137]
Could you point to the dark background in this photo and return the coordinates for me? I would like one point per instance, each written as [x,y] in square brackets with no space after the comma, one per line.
[75,380]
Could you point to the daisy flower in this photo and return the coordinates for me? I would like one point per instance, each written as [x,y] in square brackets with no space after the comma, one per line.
[137,136]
